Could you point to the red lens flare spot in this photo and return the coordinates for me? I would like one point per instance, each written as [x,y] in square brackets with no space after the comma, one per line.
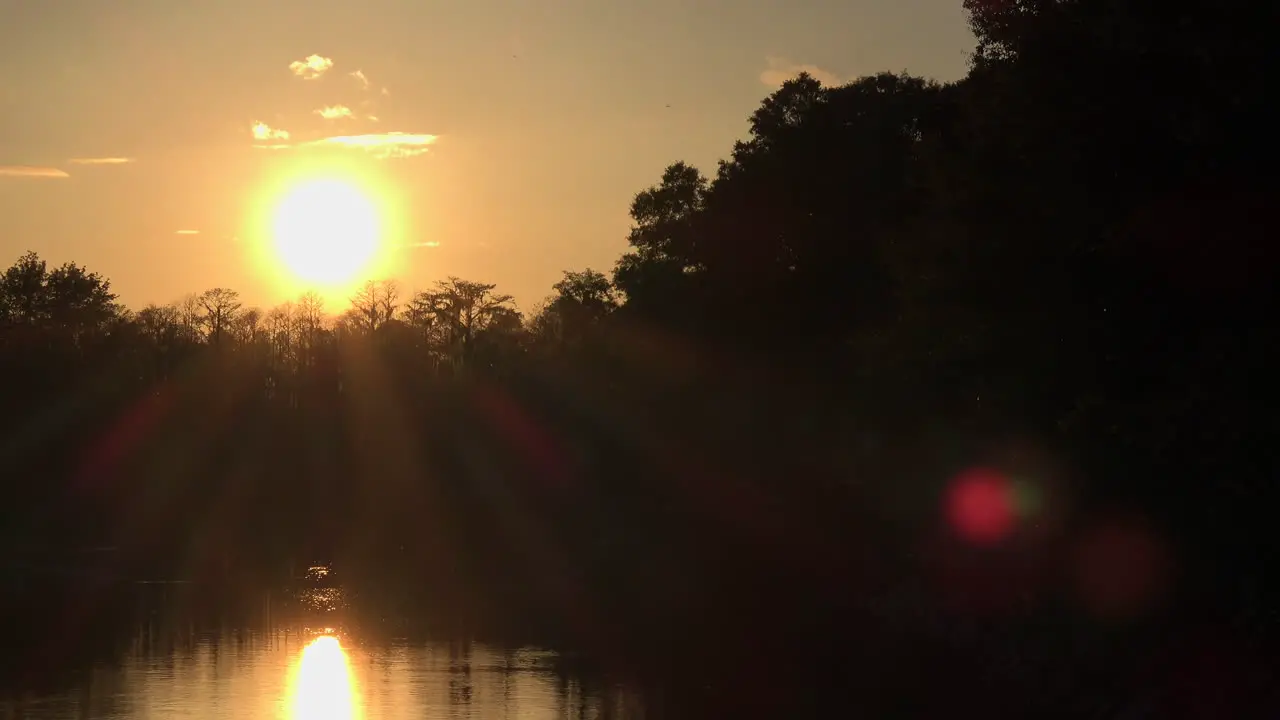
[1121,568]
[980,507]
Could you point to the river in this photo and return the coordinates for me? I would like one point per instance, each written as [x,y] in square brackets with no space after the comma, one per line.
[318,675]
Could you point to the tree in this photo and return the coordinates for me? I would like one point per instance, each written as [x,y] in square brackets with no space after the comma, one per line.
[787,109]
[247,327]
[79,301]
[583,300]
[63,309]
[1002,26]
[161,323]
[456,311]
[221,307]
[587,289]
[310,318]
[23,291]
[655,275]
[374,305]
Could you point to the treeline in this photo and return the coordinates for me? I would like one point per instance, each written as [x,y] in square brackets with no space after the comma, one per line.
[1058,266]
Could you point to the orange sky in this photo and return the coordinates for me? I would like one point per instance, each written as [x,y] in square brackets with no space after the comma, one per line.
[503,138]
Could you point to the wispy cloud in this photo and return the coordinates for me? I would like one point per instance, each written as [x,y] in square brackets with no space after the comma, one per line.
[382,145]
[333,112]
[428,244]
[311,67]
[186,232]
[360,77]
[101,161]
[263,131]
[781,70]
[29,171]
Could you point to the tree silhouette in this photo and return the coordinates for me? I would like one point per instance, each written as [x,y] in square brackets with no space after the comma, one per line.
[582,302]
[221,312]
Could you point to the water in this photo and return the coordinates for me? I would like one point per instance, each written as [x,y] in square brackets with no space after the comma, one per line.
[297,675]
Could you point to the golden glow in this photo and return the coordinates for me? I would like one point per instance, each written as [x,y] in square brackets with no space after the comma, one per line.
[324,221]
[326,232]
[323,686]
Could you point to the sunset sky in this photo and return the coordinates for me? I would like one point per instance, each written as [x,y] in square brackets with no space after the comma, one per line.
[499,140]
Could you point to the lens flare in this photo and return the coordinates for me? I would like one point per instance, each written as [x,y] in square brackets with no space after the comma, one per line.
[982,506]
[1122,568]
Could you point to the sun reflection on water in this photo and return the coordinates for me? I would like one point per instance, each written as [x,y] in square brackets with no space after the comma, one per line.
[323,686]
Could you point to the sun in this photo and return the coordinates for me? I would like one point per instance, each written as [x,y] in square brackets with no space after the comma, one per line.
[326,232]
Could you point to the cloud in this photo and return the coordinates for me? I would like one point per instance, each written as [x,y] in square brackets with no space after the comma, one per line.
[28,171]
[381,145]
[263,131]
[781,70]
[101,161]
[428,244]
[186,232]
[311,67]
[333,112]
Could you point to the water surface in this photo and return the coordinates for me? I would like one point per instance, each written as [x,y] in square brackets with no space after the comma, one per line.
[292,674]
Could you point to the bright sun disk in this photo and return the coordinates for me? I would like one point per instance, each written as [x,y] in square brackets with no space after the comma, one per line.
[326,232]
